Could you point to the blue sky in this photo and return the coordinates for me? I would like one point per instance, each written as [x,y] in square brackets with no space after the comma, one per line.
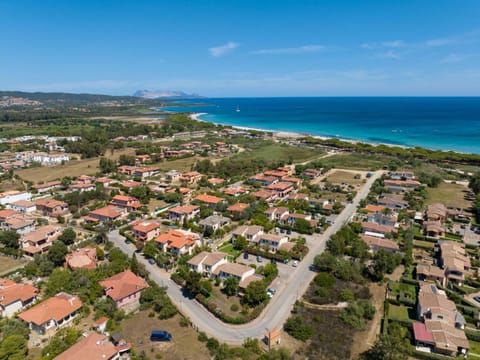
[242,48]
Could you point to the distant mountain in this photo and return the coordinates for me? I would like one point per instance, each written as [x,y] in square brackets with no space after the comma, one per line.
[162,94]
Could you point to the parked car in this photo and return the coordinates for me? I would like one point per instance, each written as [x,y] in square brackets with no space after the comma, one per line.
[271,290]
[245,256]
[127,241]
[151,261]
[259,258]
[160,335]
[286,261]
[295,263]
[289,232]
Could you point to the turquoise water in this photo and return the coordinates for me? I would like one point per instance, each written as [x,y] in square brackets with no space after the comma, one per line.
[445,123]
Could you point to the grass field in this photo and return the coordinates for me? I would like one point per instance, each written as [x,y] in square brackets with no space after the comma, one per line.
[274,152]
[72,168]
[184,344]
[452,195]
[398,312]
[357,161]
[181,165]
[224,302]
[474,348]
[338,177]
[228,249]
[8,264]
[423,244]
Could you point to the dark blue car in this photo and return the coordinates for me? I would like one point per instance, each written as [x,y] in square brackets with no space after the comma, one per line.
[160,335]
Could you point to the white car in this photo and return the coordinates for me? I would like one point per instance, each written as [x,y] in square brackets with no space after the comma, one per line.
[295,263]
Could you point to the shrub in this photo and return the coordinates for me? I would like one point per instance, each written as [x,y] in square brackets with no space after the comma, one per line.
[234,307]
[298,328]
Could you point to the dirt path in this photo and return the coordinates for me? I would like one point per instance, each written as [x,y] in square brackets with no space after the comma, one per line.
[364,340]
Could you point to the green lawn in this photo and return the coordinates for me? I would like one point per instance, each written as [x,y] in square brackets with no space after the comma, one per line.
[452,195]
[357,161]
[424,244]
[474,347]
[405,291]
[398,312]
[227,248]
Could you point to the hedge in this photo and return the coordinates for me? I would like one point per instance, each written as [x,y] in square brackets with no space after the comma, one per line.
[430,356]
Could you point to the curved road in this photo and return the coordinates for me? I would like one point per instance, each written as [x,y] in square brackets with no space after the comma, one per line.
[279,307]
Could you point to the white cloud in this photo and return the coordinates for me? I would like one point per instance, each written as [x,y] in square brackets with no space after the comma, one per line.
[394,44]
[291,50]
[221,50]
[388,55]
[80,85]
[453,58]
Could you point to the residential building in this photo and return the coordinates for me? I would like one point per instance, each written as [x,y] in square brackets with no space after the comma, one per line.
[23,206]
[47,187]
[373,229]
[238,208]
[249,232]
[191,177]
[429,272]
[83,258]
[239,271]
[145,172]
[454,260]
[19,222]
[124,288]
[174,175]
[12,196]
[206,263]
[263,179]
[268,195]
[53,313]
[393,202]
[94,346]
[14,297]
[178,242]
[441,329]
[128,202]
[376,243]
[236,191]
[312,173]
[146,230]
[215,222]
[52,207]
[402,175]
[181,213]
[82,187]
[209,200]
[107,213]
[277,213]
[272,241]
[39,240]
[281,188]
[401,185]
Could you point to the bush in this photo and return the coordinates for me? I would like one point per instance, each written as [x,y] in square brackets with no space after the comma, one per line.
[202,337]
[234,307]
[298,328]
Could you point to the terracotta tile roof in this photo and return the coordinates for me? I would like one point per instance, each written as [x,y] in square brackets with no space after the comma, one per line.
[23,203]
[100,321]
[50,203]
[383,229]
[276,210]
[6,213]
[374,208]
[421,333]
[46,185]
[123,284]
[215,181]
[93,347]
[373,241]
[239,207]
[209,199]
[40,234]
[110,212]
[181,210]
[146,226]
[56,307]
[177,239]
[233,269]
[10,292]
[83,258]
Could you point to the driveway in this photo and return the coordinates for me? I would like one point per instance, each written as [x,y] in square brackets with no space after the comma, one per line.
[279,307]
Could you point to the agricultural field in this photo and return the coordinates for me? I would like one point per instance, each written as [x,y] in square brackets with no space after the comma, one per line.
[452,195]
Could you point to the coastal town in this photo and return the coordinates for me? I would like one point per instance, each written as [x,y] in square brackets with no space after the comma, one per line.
[239,243]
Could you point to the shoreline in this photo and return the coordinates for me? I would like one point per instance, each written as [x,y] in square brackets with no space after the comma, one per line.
[297,135]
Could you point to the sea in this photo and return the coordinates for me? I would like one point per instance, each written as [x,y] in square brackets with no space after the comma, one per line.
[440,123]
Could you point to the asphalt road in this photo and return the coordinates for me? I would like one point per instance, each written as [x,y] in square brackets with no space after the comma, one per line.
[279,307]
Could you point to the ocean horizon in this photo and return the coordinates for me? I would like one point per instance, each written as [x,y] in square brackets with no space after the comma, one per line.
[439,123]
